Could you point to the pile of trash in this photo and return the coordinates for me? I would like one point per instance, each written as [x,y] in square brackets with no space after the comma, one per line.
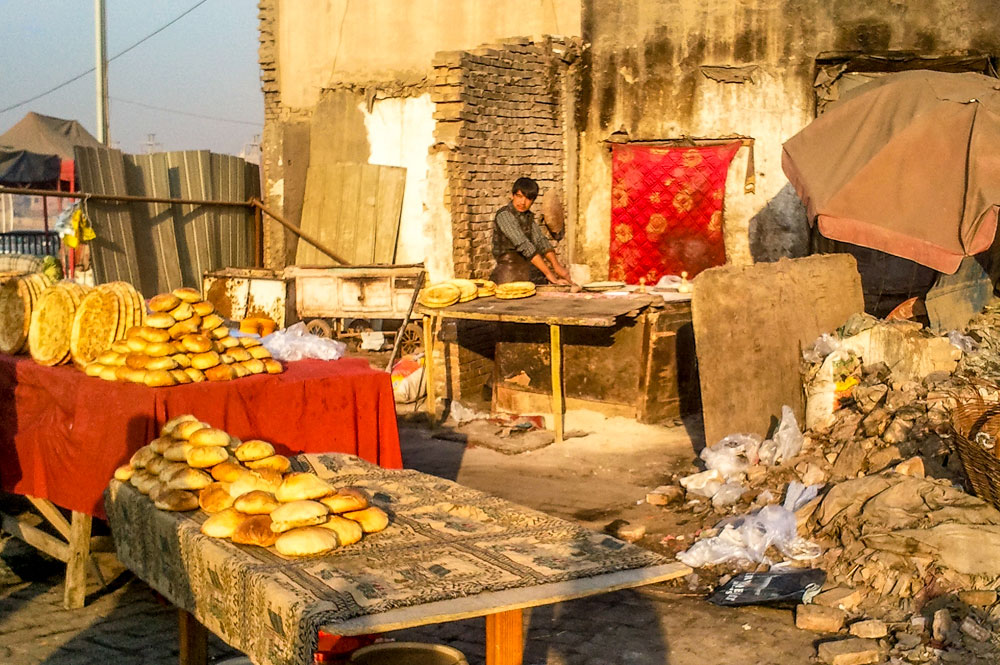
[870,493]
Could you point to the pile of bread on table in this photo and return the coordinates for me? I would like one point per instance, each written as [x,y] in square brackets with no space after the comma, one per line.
[247,489]
[449,292]
[107,332]
[182,340]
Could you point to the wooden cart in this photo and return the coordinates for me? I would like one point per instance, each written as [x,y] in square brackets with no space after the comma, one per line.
[343,302]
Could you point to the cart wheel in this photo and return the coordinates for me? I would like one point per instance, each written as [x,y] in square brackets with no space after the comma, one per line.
[320,328]
[412,339]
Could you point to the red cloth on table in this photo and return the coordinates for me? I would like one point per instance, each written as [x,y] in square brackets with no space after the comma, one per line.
[666,210]
[62,433]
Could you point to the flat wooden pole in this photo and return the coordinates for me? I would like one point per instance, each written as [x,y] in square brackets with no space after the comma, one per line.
[557,389]
[193,639]
[429,366]
[504,638]
[76,565]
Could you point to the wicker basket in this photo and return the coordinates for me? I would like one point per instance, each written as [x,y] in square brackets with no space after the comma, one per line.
[981,466]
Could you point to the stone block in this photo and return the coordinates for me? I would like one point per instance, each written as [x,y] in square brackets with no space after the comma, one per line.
[852,651]
[974,597]
[819,619]
[843,598]
[665,495]
[915,467]
[869,629]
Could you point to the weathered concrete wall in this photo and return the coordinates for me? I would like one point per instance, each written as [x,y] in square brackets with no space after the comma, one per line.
[643,72]
[326,42]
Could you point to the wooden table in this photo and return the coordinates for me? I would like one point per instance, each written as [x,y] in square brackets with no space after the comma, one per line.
[552,308]
[62,434]
[449,553]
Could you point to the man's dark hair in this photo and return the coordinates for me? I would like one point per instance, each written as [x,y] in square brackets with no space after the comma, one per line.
[526,186]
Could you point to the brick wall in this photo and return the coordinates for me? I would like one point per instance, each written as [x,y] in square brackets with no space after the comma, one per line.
[499,111]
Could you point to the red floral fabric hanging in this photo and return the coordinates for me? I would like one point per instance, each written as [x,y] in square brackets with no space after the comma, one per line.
[666,210]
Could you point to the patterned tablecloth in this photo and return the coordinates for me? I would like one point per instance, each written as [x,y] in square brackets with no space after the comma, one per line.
[444,542]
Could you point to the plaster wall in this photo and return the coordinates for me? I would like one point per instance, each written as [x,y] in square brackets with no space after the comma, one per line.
[400,132]
[322,43]
[643,74]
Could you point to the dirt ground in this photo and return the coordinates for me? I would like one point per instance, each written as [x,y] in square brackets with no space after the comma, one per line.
[602,477]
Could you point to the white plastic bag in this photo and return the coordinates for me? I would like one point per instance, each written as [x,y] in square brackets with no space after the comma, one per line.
[963,342]
[798,495]
[748,537]
[463,414]
[732,455]
[787,438]
[705,484]
[824,345]
[728,494]
[296,343]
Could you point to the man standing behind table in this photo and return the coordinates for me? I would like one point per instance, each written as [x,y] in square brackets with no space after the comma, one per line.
[521,250]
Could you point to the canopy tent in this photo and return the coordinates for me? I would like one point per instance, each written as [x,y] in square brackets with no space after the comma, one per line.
[46,135]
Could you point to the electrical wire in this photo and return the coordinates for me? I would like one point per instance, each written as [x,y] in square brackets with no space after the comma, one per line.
[187,113]
[117,55]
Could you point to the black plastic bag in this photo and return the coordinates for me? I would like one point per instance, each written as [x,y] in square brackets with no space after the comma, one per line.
[772,588]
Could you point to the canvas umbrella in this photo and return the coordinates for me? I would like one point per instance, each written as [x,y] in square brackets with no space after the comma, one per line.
[908,164]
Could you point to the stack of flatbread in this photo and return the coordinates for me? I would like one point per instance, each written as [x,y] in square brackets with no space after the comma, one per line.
[248,491]
[52,323]
[441,294]
[452,291]
[182,341]
[485,288]
[514,290]
[103,317]
[19,295]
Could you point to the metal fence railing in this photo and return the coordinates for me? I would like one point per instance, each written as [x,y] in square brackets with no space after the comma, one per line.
[35,243]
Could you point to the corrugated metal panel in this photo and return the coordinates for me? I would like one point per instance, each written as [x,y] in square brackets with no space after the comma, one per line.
[195,226]
[102,171]
[229,184]
[156,244]
[354,210]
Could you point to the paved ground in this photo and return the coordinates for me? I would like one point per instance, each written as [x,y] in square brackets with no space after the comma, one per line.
[591,480]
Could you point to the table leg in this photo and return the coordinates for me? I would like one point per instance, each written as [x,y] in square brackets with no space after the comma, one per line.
[429,367]
[504,638]
[76,565]
[193,639]
[557,388]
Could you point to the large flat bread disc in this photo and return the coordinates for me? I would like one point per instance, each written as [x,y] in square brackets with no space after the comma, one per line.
[51,325]
[94,326]
[467,289]
[12,312]
[124,310]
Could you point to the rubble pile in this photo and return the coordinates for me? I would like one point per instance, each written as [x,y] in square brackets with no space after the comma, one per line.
[873,491]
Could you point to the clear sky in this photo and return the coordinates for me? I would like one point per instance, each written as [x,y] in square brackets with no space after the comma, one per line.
[205,64]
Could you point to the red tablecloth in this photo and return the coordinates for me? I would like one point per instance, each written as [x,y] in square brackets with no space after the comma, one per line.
[62,434]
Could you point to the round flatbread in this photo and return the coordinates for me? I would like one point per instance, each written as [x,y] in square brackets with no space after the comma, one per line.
[12,312]
[513,290]
[94,326]
[485,288]
[440,295]
[51,325]
[467,289]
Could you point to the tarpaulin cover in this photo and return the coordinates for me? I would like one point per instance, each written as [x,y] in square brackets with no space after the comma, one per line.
[21,167]
[666,210]
[62,433]
[46,135]
[908,164]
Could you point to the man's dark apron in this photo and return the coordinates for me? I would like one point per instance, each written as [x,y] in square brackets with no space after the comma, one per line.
[512,267]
